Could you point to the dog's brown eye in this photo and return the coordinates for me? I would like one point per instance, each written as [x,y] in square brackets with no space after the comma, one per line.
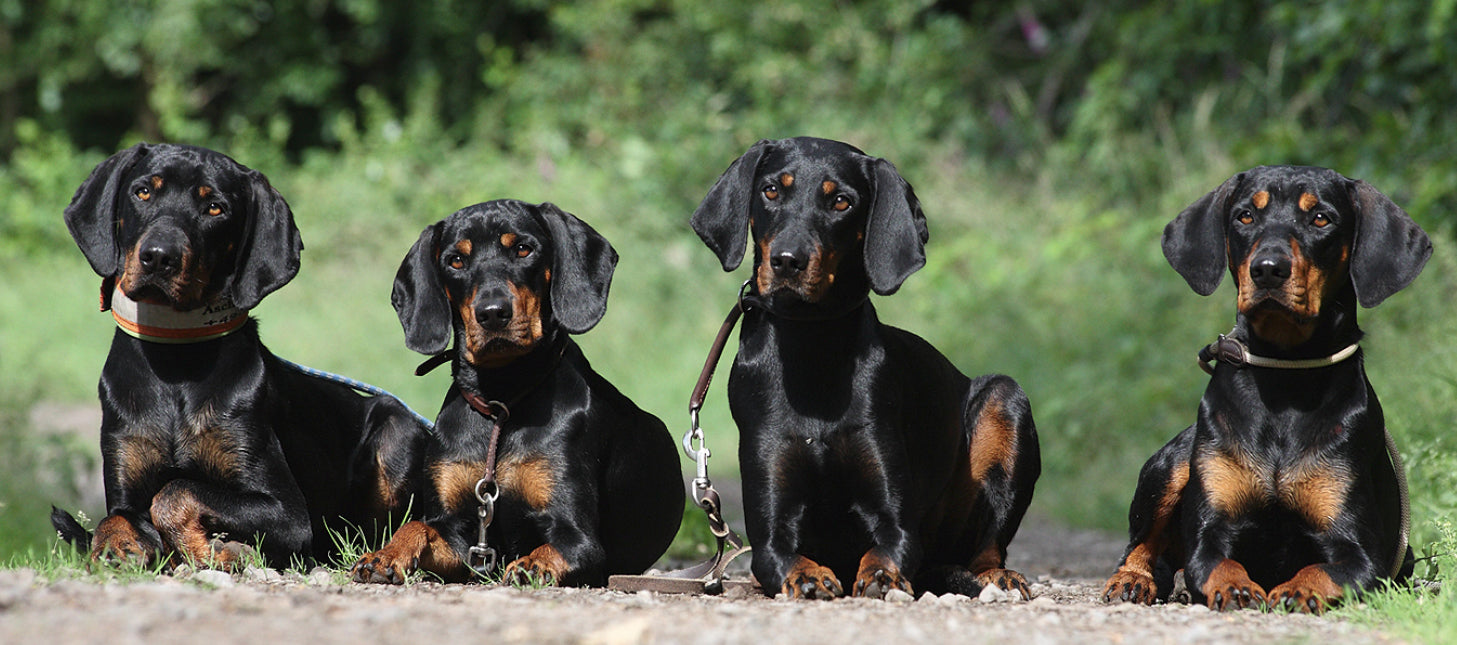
[454,261]
[841,202]
[771,192]
[1320,220]
[1245,217]
[215,209]
[522,250]
[143,193]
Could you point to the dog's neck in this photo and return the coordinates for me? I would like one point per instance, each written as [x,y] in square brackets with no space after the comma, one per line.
[815,341]
[1335,329]
[159,323]
[516,379]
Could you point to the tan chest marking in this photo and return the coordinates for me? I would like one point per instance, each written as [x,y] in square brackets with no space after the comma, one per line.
[1312,488]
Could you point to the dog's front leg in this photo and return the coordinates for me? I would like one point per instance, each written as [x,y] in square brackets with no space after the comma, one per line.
[775,516]
[566,514]
[1347,565]
[895,554]
[1222,582]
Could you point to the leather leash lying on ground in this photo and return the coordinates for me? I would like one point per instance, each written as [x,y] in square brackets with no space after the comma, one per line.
[707,577]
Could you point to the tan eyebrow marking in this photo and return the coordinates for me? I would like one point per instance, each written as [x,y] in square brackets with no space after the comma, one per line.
[1308,201]
[1261,199]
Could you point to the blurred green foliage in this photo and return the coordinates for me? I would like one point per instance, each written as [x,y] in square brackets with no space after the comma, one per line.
[1048,140]
[1353,84]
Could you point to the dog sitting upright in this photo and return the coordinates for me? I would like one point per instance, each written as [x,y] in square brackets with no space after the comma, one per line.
[1283,483]
[867,457]
[589,483]
[209,443]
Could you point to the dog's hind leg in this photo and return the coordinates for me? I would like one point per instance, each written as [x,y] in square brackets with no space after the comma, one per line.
[992,490]
[196,522]
[1155,546]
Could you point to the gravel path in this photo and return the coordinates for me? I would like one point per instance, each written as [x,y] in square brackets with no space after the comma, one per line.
[266,607]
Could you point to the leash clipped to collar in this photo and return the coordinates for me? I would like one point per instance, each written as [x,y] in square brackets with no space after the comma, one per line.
[706,577]
[482,558]
[1230,350]
[162,324]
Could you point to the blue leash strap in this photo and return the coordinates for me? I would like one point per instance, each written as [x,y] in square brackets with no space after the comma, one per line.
[358,386]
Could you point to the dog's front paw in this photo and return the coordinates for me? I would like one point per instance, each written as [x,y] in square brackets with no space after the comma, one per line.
[1311,591]
[543,566]
[808,580]
[1229,587]
[877,576]
[227,555]
[389,565]
[1006,580]
[1130,586]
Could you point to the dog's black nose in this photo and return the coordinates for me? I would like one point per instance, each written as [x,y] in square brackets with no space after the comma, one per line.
[493,313]
[787,262]
[161,251]
[1270,271]
[159,259]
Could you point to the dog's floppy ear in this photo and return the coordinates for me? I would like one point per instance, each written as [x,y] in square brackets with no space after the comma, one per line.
[1390,248]
[91,216]
[270,257]
[722,220]
[581,271]
[1194,243]
[419,297]
[895,232]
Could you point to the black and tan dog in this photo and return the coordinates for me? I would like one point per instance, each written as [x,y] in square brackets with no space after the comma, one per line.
[208,441]
[866,456]
[589,483]
[1283,483]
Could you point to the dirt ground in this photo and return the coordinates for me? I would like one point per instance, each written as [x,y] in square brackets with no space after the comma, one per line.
[258,606]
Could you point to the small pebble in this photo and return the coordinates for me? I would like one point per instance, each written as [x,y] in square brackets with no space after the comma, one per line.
[993,593]
[262,574]
[898,596]
[214,578]
[320,577]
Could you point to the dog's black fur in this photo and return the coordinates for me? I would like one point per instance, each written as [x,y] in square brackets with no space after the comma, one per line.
[866,455]
[589,482]
[1283,482]
[213,446]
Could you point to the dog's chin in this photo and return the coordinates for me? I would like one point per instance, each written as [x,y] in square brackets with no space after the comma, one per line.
[1273,321]
[799,302]
[492,351]
[153,293]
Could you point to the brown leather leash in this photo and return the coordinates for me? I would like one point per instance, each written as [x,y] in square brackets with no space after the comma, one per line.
[483,558]
[707,577]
